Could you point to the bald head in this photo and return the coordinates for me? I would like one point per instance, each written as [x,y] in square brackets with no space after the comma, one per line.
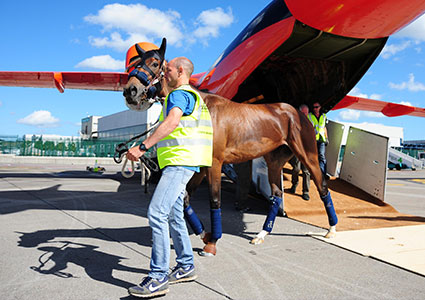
[304,109]
[184,63]
[178,72]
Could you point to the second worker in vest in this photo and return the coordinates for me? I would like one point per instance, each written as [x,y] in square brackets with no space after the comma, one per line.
[319,119]
[184,144]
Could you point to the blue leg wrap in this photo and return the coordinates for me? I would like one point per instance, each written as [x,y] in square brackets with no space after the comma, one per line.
[271,216]
[193,220]
[330,210]
[216,229]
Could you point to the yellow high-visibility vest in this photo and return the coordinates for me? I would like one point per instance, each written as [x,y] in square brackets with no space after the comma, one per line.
[191,142]
[319,126]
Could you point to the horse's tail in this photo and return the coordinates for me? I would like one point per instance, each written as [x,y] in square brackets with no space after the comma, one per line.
[308,136]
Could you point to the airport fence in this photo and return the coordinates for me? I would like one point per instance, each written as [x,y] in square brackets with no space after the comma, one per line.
[65,148]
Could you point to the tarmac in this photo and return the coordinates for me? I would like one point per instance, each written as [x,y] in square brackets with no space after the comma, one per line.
[67,233]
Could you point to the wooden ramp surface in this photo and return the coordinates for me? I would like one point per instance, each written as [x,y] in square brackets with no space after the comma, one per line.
[355,208]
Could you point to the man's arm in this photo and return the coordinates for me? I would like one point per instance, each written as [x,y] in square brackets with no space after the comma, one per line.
[164,129]
[326,130]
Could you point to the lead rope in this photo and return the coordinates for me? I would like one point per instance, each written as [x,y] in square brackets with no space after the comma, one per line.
[147,165]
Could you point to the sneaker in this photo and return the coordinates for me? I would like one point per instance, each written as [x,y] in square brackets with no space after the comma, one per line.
[180,274]
[306,197]
[292,189]
[150,287]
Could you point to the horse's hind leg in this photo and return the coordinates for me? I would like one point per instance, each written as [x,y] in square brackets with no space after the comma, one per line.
[304,147]
[275,162]
[189,213]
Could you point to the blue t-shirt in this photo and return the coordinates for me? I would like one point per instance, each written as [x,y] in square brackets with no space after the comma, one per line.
[186,102]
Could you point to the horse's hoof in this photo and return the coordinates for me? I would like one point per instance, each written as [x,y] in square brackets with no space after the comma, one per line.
[205,254]
[207,238]
[209,250]
[257,241]
[330,234]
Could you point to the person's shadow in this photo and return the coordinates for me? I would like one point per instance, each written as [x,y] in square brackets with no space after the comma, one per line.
[97,264]
[59,250]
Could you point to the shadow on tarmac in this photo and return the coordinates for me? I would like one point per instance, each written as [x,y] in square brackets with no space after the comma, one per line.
[97,264]
[58,246]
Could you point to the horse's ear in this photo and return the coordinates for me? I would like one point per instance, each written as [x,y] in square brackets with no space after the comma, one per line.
[161,50]
[139,50]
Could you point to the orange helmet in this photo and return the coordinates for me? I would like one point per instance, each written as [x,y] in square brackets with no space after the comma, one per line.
[133,56]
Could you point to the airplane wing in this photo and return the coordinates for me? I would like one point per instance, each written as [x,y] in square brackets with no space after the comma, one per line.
[103,81]
[283,55]
[387,108]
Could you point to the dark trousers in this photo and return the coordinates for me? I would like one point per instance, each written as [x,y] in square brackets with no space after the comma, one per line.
[297,166]
[321,148]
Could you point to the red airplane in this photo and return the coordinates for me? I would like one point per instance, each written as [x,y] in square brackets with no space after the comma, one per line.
[293,51]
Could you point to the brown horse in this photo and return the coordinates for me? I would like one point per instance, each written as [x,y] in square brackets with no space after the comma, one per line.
[243,132]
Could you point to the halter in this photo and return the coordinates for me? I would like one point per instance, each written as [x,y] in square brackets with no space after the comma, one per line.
[151,87]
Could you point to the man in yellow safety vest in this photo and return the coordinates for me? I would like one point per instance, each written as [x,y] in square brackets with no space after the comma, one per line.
[319,120]
[184,144]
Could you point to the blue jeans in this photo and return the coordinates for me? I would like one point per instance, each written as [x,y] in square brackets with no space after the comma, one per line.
[321,148]
[165,216]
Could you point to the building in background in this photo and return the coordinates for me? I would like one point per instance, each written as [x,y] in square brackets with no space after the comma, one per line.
[89,127]
[124,125]
[395,134]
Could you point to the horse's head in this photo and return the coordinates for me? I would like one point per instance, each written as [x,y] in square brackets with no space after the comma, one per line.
[144,63]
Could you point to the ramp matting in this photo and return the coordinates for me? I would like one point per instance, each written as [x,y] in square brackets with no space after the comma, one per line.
[355,208]
[400,246]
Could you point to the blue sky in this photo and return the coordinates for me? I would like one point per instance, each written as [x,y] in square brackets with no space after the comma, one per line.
[94,36]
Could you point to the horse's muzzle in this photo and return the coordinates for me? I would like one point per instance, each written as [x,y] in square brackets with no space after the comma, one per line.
[130,93]
[135,98]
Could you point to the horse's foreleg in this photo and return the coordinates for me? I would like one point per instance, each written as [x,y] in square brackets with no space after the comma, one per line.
[214,179]
[189,213]
[275,161]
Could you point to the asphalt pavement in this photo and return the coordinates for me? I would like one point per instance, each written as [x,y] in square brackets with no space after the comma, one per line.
[67,233]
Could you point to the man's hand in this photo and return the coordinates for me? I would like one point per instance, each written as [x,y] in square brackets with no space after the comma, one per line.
[134,153]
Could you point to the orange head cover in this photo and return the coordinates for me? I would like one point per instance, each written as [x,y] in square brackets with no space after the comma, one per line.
[133,56]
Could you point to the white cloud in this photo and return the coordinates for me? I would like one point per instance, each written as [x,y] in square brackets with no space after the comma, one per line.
[376,96]
[40,118]
[410,85]
[373,114]
[124,25]
[393,49]
[349,114]
[116,42]
[1,104]
[415,30]
[104,62]
[356,92]
[352,115]
[406,103]
[137,20]
[211,21]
